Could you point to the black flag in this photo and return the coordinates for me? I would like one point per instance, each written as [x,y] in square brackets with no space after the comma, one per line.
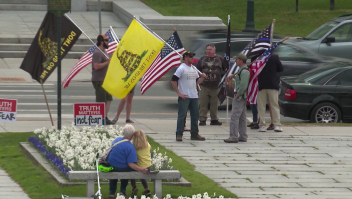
[222,93]
[41,58]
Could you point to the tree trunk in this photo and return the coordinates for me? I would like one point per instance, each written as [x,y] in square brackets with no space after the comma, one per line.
[332,4]
[297,5]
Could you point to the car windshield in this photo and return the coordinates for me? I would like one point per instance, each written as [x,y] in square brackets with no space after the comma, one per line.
[321,31]
[321,74]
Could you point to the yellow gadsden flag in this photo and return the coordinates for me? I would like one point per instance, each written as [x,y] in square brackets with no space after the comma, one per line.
[132,57]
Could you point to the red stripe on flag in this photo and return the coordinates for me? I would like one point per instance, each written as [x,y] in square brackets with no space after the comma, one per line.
[158,68]
[85,60]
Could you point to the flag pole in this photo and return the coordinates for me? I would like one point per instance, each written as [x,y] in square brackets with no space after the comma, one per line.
[114,34]
[161,39]
[87,36]
[46,100]
[272,32]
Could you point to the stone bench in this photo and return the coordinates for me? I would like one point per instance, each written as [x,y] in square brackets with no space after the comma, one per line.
[91,176]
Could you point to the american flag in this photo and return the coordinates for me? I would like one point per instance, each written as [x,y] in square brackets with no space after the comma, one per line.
[86,59]
[164,61]
[255,70]
[256,47]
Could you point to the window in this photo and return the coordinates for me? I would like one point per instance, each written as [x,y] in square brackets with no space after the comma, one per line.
[335,80]
[343,33]
[321,75]
[346,79]
[321,31]
[236,47]
[290,53]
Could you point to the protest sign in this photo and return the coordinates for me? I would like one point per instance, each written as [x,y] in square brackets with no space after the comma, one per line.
[8,110]
[89,114]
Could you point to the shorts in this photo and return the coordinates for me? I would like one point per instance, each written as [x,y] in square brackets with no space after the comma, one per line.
[132,91]
[100,94]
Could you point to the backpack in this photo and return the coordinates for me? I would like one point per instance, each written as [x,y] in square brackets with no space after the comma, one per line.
[103,160]
[231,86]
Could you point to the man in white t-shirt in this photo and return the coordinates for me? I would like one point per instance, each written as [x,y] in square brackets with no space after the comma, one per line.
[184,82]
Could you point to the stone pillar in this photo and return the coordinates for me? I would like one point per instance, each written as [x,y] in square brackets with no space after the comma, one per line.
[250,27]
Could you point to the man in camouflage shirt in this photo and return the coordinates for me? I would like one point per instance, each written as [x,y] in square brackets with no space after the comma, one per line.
[212,65]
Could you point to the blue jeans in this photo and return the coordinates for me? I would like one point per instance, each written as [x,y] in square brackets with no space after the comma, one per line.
[183,106]
[254,110]
[124,182]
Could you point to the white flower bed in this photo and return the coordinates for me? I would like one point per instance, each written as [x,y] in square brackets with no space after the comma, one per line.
[77,147]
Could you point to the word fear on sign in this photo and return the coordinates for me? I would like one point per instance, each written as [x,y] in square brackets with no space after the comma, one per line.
[89,120]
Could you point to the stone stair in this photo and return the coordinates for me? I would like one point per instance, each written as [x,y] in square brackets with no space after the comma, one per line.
[23,5]
[18,47]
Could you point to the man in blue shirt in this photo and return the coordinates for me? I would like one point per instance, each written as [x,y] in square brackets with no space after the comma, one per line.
[123,157]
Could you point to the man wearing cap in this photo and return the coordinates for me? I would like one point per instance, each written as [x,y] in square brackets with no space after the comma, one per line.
[212,65]
[184,82]
[238,125]
[99,67]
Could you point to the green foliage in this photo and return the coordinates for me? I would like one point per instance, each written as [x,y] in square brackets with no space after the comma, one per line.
[311,14]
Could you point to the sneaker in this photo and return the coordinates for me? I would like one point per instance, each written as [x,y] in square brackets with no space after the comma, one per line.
[179,138]
[255,126]
[112,195]
[114,120]
[271,127]
[147,193]
[122,194]
[215,122]
[278,129]
[250,125]
[129,121]
[229,140]
[198,137]
[107,121]
[262,129]
[202,123]
[134,192]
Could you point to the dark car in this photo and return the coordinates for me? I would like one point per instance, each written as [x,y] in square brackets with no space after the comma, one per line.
[321,95]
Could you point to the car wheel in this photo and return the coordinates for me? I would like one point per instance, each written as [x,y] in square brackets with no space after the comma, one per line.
[325,113]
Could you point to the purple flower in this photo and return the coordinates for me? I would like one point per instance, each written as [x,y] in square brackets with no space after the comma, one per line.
[56,161]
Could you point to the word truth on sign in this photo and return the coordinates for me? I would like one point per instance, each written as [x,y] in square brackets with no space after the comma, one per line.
[8,110]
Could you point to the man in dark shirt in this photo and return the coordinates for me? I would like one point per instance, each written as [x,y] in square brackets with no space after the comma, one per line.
[211,65]
[268,83]
[100,64]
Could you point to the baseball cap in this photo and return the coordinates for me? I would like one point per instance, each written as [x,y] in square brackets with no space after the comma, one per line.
[240,56]
[188,54]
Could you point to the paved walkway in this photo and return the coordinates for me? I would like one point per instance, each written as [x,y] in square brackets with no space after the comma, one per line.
[9,189]
[301,162]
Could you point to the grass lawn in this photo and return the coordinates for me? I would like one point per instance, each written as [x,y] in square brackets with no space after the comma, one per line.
[38,184]
[311,14]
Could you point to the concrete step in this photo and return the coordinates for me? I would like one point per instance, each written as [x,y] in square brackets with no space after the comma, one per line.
[105,6]
[42,2]
[21,54]
[24,47]
[23,7]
